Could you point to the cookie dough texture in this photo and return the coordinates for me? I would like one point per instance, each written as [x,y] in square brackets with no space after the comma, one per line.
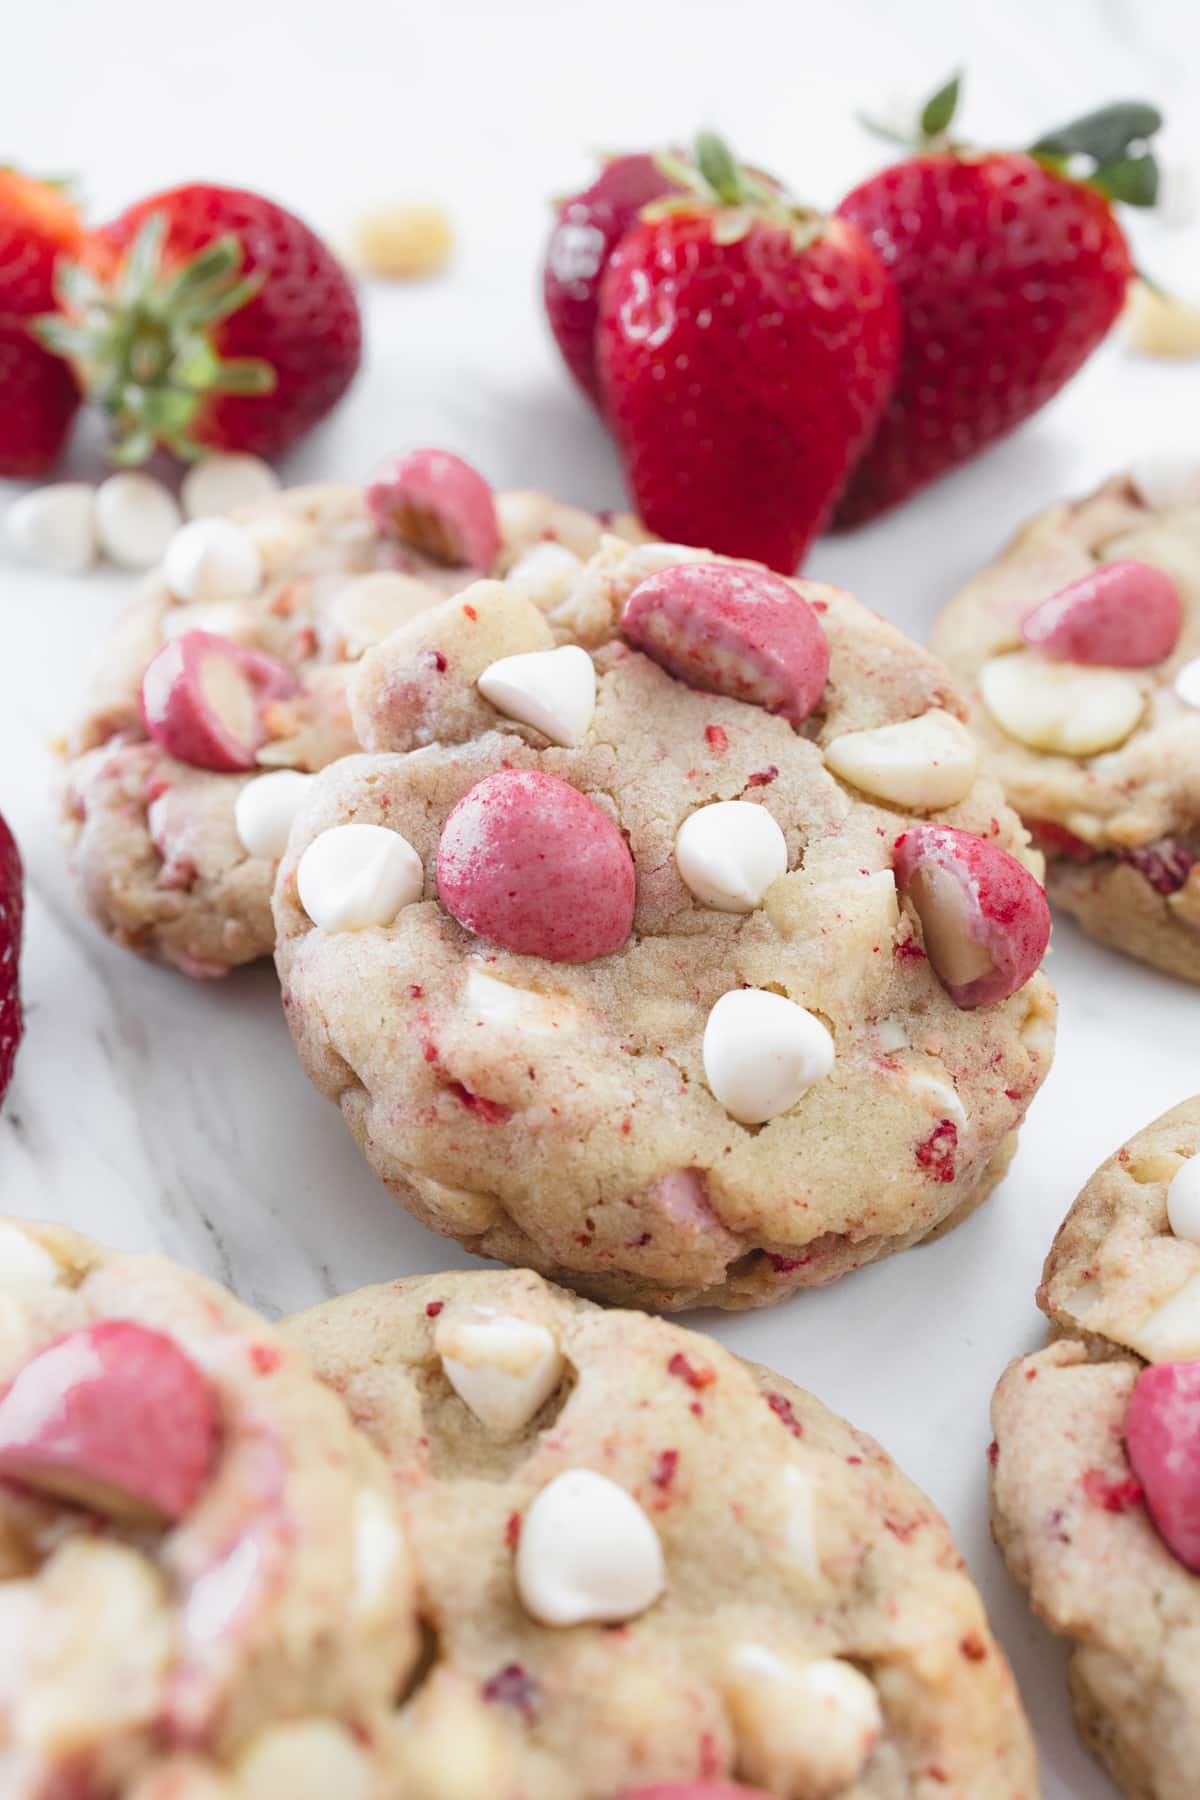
[557,1116]
[1067,1512]
[1121,830]
[152,841]
[272,1626]
[780,1527]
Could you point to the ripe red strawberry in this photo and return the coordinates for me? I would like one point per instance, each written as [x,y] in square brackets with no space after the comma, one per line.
[208,317]
[39,396]
[1010,272]
[746,347]
[587,228]
[11,914]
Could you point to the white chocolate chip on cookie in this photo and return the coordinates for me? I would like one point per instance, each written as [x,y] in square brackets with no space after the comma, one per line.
[921,764]
[370,607]
[23,1259]
[552,690]
[310,1759]
[762,1052]
[212,559]
[803,1728]
[729,853]
[219,484]
[1167,478]
[587,1553]
[1171,1331]
[1187,683]
[1183,1201]
[265,808]
[501,1004]
[503,1368]
[1062,707]
[380,1556]
[355,876]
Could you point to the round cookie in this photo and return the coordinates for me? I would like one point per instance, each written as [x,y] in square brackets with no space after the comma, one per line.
[645,1561]
[562,1112]
[1101,761]
[1096,1461]
[154,840]
[204,1575]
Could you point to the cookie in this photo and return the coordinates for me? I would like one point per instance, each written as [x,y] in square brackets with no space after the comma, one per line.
[204,1573]
[645,1561]
[688,973]
[1080,652]
[180,785]
[1096,1461]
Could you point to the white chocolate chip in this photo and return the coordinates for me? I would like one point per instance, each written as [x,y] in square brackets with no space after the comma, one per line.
[1171,1331]
[761,1052]
[23,1259]
[1187,683]
[891,1035]
[1183,1201]
[552,690]
[311,1759]
[500,1004]
[380,1553]
[800,1528]
[355,876]
[265,808]
[136,518]
[1060,706]
[18,1621]
[1161,324]
[502,1367]
[587,1553]
[370,607]
[548,571]
[923,764]
[803,1729]
[729,853]
[212,559]
[224,618]
[941,1098]
[1167,478]
[55,527]
[220,484]
[402,241]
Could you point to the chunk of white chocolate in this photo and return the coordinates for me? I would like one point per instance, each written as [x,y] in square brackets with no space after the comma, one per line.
[921,764]
[265,808]
[729,853]
[1187,683]
[370,607]
[219,484]
[502,1367]
[587,1553]
[353,877]
[212,559]
[803,1728]
[500,1004]
[55,527]
[552,690]
[1183,1201]
[1171,1332]
[136,518]
[310,1759]
[1060,706]
[380,1554]
[23,1259]
[762,1052]
[1167,478]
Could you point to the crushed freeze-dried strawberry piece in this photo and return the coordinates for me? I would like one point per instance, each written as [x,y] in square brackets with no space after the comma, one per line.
[785,1412]
[697,1375]
[1113,1496]
[937,1152]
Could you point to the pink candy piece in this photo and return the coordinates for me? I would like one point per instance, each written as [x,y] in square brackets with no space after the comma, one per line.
[1125,615]
[114,1417]
[1162,1435]
[203,697]
[439,504]
[528,861]
[735,631]
[695,1790]
[985,919]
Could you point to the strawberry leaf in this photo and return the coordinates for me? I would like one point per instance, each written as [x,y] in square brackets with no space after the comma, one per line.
[1134,180]
[1105,135]
[938,113]
[716,162]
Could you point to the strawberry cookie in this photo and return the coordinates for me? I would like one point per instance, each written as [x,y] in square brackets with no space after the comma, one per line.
[225,687]
[1096,1464]
[649,1567]
[668,941]
[205,1586]
[1080,650]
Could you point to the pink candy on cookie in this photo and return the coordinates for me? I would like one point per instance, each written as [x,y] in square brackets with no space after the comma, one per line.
[528,862]
[732,630]
[695,1790]
[1124,615]
[203,696]
[438,503]
[1162,1435]
[984,917]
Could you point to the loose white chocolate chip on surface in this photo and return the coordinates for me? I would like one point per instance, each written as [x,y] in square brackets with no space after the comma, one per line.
[761,1052]
[23,1259]
[219,484]
[265,808]
[1167,478]
[370,607]
[312,1759]
[1059,706]
[1187,683]
[402,241]
[552,690]
[587,1553]
[1161,324]
[921,764]
[500,1366]
[802,1728]
[212,559]
[136,518]
[55,527]
[355,876]
[729,853]
[1183,1201]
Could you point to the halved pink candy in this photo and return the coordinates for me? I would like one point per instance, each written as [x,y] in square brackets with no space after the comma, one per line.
[529,862]
[735,631]
[1125,615]
[438,503]
[115,1417]
[203,698]
[984,917]
[695,1790]
[1162,1435]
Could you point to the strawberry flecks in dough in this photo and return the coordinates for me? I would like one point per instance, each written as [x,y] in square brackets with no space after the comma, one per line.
[785,1412]
[439,504]
[696,1375]
[717,738]
[936,1155]
[512,1686]
[1166,865]
[1113,1496]
[1124,615]
[1056,840]
[488,1112]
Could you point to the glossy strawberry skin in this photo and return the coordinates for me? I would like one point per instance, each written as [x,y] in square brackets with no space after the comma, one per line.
[304,320]
[11,916]
[587,228]
[39,396]
[1009,276]
[742,380]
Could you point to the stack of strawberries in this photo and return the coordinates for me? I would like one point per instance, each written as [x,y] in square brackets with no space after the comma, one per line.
[766,370]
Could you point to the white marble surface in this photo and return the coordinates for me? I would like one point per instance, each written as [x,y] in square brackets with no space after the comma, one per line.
[157,1113]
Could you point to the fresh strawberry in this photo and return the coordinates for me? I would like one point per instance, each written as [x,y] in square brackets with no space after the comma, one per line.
[39,396]
[1010,271]
[12,909]
[208,318]
[587,229]
[746,347]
